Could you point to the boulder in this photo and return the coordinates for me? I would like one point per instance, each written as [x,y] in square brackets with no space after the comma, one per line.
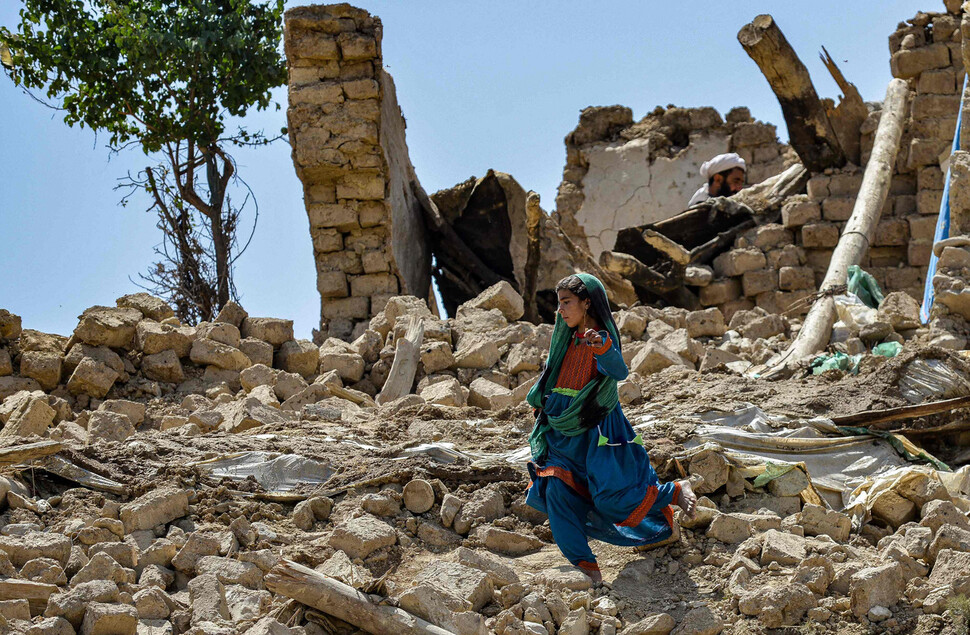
[876,586]
[503,297]
[340,356]
[164,367]
[486,394]
[107,326]
[274,331]
[298,356]
[359,537]
[151,307]
[109,426]
[44,367]
[206,352]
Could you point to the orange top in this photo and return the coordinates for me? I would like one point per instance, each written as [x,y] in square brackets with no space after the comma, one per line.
[579,365]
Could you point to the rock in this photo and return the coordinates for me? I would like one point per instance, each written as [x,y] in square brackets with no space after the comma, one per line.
[654,357]
[498,571]
[468,584]
[699,621]
[936,513]
[229,571]
[477,351]
[575,623]
[211,352]
[288,385]
[242,415]
[208,597]
[71,604]
[485,505]
[450,506]
[875,586]
[195,548]
[444,393]
[418,496]
[10,325]
[440,607]
[359,537]
[12,385]
[232,313]
[791,483]
[44,367]
[152,338]
[656,624]
[921,489]
[781,547]
[153,604]
[715,358]
[52,626]
[36,544]
[303,516]
[706,323]
[109,619]
[149,306]
[44,570]
[340,356]
[488,395]
[92,377]
[107,326]
[272,626]
[563,578]
[730,528]
[271,330]
[503,297]
[764,327]
[948,537]
[951,568]
[257,375]
[777,606]
[109,426]
[101,566]
[436,356]
[632,324]
[258,351]
[164,367]
[221,332]
[298,356]
[506,542]
[26,414]
[132,409]
[818,521]
[712,467]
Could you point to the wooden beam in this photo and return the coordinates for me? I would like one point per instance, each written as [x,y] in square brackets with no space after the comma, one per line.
[810,132]
[344,602]
[846,118]
[407,354]
[533,226]
[28,451]
[875,417]
[854,242]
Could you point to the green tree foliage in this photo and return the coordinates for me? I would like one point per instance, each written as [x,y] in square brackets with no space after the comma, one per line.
[165,75]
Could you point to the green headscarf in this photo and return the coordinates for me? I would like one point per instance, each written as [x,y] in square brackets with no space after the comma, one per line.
[602,389]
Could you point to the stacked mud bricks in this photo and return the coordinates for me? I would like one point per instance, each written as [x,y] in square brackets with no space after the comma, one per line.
[927,52]
[334,58]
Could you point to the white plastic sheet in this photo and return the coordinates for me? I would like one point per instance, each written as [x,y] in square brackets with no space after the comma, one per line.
[274,472]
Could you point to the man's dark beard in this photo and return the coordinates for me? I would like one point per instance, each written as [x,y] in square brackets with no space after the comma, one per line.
[725,189]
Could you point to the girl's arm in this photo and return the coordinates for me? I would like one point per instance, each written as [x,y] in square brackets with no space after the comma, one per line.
[609,361]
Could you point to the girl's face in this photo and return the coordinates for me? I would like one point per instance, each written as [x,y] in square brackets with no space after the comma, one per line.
[571,308]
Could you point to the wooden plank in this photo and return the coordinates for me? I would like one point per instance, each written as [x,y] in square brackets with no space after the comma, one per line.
[533,226]
[407,354]
[36,593]
[28,451]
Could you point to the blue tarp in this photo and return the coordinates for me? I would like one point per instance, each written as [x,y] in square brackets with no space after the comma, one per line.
[943,222]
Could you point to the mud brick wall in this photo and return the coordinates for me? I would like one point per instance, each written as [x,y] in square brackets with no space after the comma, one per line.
[350,153]
[620,173]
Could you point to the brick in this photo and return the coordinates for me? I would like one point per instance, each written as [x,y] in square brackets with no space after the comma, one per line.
[373,284]
[361,89]
[787,256]
[770,235]
[374,262]
[891,231]
[720,292]
[346,261]
[887,256]
[356,46]
[837,209]
[326,240]
[321,193]
[904,204]
[821,235]
[791,278]
[365,239]
[928,202]
[303,45]
[846,185]
[818,187]
[918,252]
[317,94]
[352,308]
[922,227]
[818,259]
[332,284]
[738,261]
[910,63]
[935,127]
[361,186]
[372,213]
[942,82]
[759,281]
[341,217]
[926,151]
[904,277]
[930,178]
[799,213]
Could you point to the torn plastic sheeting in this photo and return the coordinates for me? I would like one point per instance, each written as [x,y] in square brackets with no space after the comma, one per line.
[832,463]
[273,471]
[443,452]
[925,379]
[866,492]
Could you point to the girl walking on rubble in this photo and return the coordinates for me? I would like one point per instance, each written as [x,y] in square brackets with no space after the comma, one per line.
[591,474]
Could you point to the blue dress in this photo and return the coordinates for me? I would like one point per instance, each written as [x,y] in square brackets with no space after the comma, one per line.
[599,484]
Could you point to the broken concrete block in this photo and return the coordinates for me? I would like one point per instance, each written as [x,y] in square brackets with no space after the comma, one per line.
[107,326]
[470,585]
[876,586]
[36,544]
[488,395]
[109,619]
[208,599]
[444,393]
[109,426]
[158,507]
[340,356]
[503,297]
[359,537]
[298,356]
[229,571]
[211,352]
[26,414]
[654,357]
[92,377]
[45,367]
[781,547]
[274,331]
[164,367]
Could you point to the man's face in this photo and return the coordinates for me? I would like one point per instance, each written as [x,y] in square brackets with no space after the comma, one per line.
[729,184]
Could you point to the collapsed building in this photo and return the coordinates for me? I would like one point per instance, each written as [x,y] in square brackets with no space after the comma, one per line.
[229,477]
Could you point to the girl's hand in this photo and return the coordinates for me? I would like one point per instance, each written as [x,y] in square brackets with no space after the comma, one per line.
[593,338]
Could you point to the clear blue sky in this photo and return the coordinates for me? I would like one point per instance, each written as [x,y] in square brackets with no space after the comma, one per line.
[482,85]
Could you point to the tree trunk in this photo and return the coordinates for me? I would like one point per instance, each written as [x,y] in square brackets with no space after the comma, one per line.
[221,239]
[817,327]
[809,129]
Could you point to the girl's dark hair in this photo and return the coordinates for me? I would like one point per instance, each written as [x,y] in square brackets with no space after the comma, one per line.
[577,287]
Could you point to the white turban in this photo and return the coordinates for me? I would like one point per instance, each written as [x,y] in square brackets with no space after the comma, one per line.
[720,163]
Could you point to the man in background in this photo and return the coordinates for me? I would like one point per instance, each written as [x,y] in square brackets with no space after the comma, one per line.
[724,175]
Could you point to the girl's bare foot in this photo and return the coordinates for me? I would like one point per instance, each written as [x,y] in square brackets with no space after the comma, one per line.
[687,500]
